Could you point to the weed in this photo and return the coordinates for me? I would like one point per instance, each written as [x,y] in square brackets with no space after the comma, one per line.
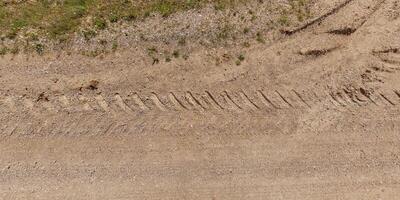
[114,46]
[93,53]
[19,23]
[62,39]
[246,44]
[129,18]
[114,18]
[224,32]
[103,42]
[175,54]
[246,30]
[301,9]
[11,35]
[182,42]
[100,23]
[241,57]
[39,48]
[32,37]
[88,34]
[152,50]
[3,51]
[165,8]
[14,50]
[284,20]
[260,38]
[155,61]
[238,62]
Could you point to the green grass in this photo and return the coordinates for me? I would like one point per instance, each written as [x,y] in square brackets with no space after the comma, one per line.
[56,19]
[45,16]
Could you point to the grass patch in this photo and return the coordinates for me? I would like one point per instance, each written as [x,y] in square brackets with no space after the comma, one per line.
[298,11]
[114,46]
[100,23]
[56,18]
[3,51]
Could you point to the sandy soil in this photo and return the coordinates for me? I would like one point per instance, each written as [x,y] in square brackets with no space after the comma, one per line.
[314,114]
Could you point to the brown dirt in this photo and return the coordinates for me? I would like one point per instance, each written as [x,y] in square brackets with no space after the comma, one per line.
[312,114]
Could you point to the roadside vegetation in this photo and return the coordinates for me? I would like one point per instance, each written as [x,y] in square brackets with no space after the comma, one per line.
[58,18]
[38,22]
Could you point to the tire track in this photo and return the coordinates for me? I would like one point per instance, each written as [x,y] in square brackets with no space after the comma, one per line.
[190,101]
[349,30]
[138,101]
[375,8]
[248,102]
[390,56]
[317,19]
[301,98]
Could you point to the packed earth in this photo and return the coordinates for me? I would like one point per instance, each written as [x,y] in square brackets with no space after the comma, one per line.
[285,99]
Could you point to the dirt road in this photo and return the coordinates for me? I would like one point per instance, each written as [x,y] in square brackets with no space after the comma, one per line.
[314,115]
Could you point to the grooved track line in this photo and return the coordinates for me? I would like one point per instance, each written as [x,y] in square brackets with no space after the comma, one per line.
[207,101]
[318,19]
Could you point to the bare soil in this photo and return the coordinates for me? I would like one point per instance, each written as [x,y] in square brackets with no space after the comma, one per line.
[313,113]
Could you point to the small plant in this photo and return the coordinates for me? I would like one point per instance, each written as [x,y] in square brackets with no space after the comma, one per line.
[167,59]
[246,44]
[246,30]
[152,50]
[241,57]
[165,8]
[300,9]
[113,18]
[155,61]
[3,51]
[175,54]
[11,35]
[114,46]
[32,37]
[259,38]
[224,32]
[219,6]
[14,50]
[92,53]
[62,39]
[88,34]
[284,20]
[103,42]
[39,48]
[129,17]
[100,24]
[182,42]
[19,23]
